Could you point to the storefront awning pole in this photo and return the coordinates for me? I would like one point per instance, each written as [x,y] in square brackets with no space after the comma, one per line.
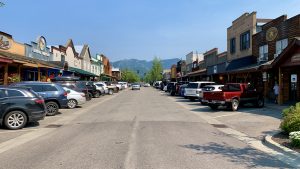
[6,74]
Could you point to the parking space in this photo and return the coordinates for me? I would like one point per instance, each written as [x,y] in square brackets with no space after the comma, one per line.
[252,121]
[48,121]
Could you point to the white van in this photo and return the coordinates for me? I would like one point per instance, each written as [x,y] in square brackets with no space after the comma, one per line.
[194,90]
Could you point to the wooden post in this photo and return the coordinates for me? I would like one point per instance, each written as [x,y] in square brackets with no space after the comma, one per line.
[39,74]
[280,95]
[6,74]
[19,72]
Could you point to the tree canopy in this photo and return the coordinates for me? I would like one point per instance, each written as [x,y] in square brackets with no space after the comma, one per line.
[129,76]
[155,73]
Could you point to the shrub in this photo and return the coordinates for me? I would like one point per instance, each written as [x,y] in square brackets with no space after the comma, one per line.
[291,119]
[295,138]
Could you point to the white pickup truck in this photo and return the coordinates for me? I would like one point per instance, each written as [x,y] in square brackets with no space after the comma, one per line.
[194,90]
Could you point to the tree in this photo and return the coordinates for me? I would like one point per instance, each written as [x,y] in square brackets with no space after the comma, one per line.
[155,73]
[129,76]
[1,4]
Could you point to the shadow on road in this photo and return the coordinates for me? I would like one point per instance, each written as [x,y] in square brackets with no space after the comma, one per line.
[244,156]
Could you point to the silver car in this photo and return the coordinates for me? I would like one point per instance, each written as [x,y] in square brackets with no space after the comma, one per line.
[136,86]
[74,98]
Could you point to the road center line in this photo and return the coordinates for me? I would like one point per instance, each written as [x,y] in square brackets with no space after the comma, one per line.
[131,157]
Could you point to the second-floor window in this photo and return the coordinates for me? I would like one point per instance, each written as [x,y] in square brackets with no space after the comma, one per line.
[280,45]
[245,40]
[232,45]
[263,53]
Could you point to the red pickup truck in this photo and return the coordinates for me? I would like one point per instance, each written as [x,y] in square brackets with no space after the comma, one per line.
[232,96]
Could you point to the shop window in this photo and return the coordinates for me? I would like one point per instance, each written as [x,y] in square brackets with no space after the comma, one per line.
[232,45]
[263,53]
[245,40]
[280,46]
[14,93]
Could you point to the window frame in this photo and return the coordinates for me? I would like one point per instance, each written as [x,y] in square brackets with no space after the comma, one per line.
[245,41]
[232,45]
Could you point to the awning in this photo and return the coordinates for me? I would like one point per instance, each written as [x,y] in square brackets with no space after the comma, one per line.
[5,60]
[80,71]
[30,65]
[197,72]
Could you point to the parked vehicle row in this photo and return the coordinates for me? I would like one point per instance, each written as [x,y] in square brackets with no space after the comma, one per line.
[230,95]
[31,101]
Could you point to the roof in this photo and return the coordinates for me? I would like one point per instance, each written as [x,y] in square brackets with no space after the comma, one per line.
[78,48]
[80,71]
[241,63]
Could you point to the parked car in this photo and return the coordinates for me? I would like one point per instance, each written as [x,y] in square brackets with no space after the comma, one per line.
[54,95]
[74,83]
[165,88]
[20,106]
[136,86]
[157,84]
[92,89]
[170,85]
[124,85]
[194,90]
[146,85]
[106,89]
[112,86]
[233,95]
[182,89]
[74,98]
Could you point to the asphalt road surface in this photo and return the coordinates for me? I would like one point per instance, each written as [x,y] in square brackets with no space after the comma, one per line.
[131,130]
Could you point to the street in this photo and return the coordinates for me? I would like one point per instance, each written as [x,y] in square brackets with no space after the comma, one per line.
[141,129]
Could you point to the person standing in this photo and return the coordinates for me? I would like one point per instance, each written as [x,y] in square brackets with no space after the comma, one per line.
[276,92]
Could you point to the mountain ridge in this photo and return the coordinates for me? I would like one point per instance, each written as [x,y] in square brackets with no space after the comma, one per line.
[142,66]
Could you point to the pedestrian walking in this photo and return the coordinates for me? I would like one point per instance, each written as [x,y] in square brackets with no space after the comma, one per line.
[276,92]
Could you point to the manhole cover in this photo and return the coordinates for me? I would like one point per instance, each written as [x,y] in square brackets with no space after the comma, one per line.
[53,126]
[219,125]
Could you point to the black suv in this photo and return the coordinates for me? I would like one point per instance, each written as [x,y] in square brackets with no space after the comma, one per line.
[18,106]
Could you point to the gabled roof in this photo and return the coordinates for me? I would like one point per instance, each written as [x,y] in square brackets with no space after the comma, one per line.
[82,49]
[285,53]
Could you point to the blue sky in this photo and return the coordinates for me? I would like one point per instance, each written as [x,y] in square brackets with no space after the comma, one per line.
[141,29]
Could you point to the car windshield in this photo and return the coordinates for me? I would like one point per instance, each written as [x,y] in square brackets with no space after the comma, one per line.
[232,87]
[192,85]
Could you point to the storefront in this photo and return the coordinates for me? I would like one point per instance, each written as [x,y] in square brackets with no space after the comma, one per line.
[285,70]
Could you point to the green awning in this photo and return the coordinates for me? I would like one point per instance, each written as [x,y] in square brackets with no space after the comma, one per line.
[80,71]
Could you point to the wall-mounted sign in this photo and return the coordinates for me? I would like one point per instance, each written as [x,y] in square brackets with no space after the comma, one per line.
[264,76]
[215,69]
[271,34]
[294,78]
[41,43]
[4,42]
[295,58]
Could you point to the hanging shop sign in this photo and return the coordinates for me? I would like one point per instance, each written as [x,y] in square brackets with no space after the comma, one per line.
[271,34]
[41,46]
[4,42]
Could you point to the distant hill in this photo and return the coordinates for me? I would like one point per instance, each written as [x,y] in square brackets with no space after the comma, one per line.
[142,66]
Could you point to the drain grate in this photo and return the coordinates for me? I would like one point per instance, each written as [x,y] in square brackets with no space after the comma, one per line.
[53,126]
[219,125]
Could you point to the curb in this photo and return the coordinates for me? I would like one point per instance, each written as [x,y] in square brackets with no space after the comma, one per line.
[272,144]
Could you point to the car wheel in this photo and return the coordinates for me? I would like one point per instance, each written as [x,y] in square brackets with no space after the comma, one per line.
[260,102]
[97,94]
[213,107]
[90,95]
[235,104]
[15,120]
[52,108]
[72,103]
[110,92]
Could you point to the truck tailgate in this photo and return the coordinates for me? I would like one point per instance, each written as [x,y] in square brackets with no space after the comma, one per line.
[213,96]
